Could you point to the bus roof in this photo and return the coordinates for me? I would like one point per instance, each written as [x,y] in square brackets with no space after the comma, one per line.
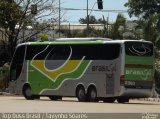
[80,41]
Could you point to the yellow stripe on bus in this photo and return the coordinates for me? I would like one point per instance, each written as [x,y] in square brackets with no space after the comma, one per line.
[68,67]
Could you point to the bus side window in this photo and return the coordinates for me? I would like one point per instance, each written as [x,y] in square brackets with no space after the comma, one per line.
[33,50]
[58,52]
[111,51]
[96,52]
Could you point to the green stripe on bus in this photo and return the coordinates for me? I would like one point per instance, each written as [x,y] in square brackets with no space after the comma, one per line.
[65,43]
[139,68]
[40,82]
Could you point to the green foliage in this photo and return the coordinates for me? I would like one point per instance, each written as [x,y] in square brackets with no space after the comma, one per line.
[157,80]
[10,14]
[4,77]
[2,85]
[4,56]
[44,36]
[92,31]
[150,11]
[15,16]
[83,33]
[150,31]
[143,8]
[92,20]
[118,27]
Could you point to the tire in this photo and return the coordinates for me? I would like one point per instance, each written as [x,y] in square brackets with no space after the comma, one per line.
[80,93]
[37,97]
[92,95]
[122,100]
[27,93]
[55,98]
[109,100]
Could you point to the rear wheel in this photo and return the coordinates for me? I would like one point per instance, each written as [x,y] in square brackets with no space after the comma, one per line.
[27,93]
[92,95]
[80,93]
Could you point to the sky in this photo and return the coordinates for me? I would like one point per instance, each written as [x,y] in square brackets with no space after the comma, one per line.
[73,16]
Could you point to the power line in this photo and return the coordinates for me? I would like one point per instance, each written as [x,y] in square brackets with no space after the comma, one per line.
[113,11]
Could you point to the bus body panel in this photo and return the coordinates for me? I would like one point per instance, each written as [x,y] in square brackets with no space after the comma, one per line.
[60,75]
[138,69]
[102,74]
[136,93]
[17,85]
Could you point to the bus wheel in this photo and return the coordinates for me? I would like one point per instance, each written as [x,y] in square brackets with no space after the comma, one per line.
[55,98]
[27,93]
[80,93]
[109,100]
[122,100]
[92,95]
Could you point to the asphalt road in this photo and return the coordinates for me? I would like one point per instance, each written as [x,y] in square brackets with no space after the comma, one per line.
[17,104]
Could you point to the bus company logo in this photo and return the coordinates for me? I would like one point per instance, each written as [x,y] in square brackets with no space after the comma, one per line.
[149,116]
[144,74]
[137,51]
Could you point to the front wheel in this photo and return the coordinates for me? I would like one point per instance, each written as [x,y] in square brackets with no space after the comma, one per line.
[27,93]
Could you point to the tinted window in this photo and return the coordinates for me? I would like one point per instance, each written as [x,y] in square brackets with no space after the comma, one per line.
[75,52]
[17,62]
[139,49]
[59,52]
[39,50]
[96,52]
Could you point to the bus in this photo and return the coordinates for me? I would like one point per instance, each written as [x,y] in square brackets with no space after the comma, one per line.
[91,69]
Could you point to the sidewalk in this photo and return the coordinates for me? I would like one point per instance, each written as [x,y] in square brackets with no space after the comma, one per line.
[150,99]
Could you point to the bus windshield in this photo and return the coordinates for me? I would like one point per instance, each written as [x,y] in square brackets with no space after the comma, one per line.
[139,49]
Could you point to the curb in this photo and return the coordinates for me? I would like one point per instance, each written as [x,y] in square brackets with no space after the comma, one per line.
[5,93]
[150,99]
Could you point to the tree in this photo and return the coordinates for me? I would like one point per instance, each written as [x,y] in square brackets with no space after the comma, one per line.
[16,15]
[143,8]
[118,27]
[150,11]
[92,31]
[92,20]
[10,14]
[145,29]
[150,30]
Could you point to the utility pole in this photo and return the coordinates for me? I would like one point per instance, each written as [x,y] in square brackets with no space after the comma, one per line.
[59,17]
[87,21]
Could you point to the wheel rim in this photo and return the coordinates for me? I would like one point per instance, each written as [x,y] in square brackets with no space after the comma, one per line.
[28,92]
[81,93]
[93,94]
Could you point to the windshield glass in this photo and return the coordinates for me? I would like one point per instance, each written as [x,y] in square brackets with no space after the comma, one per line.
[139,48]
